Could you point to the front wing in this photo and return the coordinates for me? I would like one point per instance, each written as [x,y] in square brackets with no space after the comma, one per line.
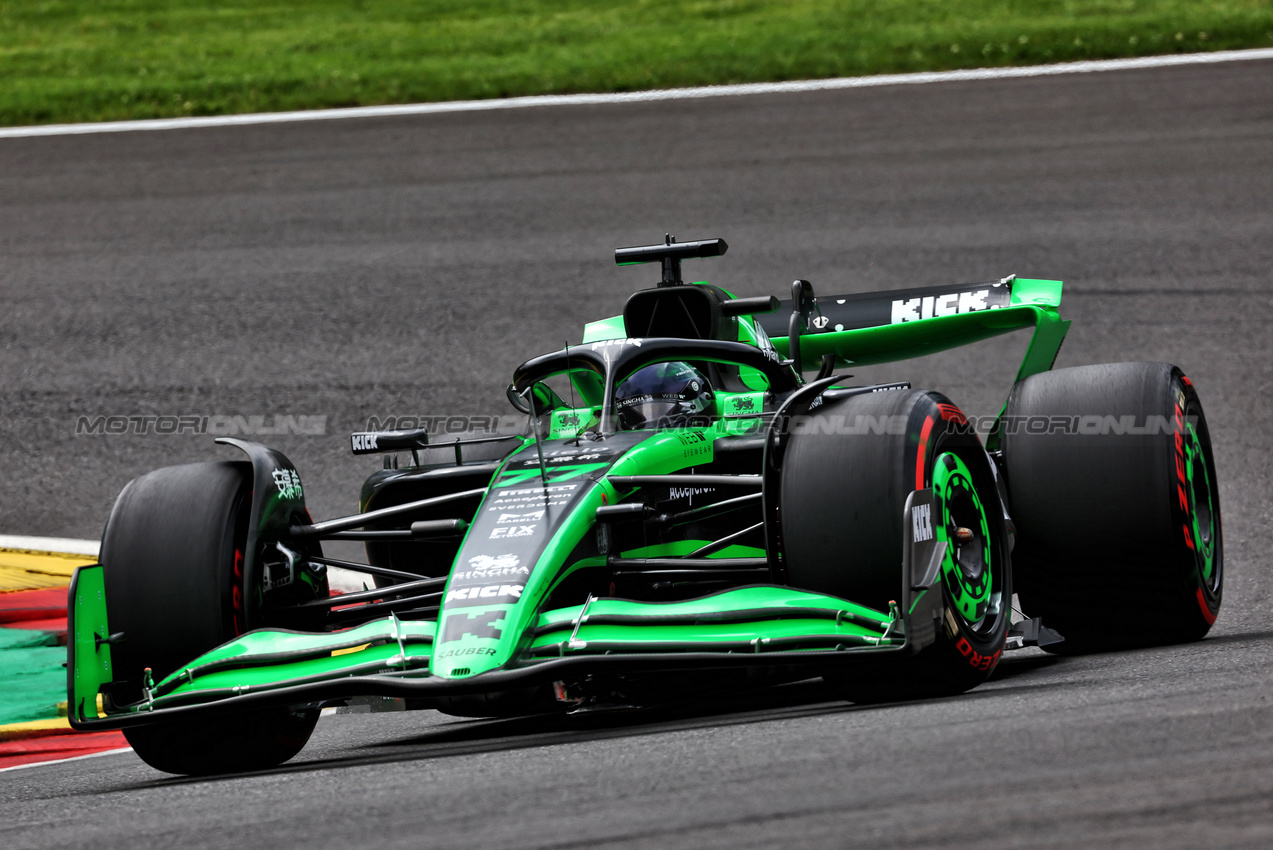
[757,626]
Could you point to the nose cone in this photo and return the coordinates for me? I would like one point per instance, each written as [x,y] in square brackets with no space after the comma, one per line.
[469,641]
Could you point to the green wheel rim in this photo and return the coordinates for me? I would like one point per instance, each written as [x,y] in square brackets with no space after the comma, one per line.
[967,566]
[1202,515]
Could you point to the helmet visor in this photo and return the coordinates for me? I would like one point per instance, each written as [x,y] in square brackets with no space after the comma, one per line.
[665,395]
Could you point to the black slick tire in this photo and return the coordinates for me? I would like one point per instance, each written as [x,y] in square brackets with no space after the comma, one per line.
[842,499]
[1113,489]
[172,556]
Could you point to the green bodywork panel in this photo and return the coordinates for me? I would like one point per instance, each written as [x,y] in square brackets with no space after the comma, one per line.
[611,328]
[568,422]
[272,658]
[681,548]
[661,453]
[90,666]
[741,404]
[753,616]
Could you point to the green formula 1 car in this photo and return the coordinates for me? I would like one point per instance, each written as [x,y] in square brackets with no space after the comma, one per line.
[687,511]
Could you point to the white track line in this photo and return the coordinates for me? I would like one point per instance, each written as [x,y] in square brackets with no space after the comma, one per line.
[50,544]
[124,749]
[643,96]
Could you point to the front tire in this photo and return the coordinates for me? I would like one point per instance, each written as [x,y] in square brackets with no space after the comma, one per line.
[172,558]
[842,499]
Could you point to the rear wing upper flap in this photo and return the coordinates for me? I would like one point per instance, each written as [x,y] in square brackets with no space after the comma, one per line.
[880,327]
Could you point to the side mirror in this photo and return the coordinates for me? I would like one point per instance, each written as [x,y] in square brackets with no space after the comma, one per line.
[517,400]
[802,304]
[545,399]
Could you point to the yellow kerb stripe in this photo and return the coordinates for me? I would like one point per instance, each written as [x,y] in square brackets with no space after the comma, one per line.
[23,569]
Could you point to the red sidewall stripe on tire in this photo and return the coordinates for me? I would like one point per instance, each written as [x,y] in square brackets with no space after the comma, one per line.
[1206,611]
[923,452]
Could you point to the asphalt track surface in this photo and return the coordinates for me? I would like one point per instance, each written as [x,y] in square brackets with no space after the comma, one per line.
[405,266]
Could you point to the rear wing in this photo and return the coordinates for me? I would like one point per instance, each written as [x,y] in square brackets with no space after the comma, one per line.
[880,327]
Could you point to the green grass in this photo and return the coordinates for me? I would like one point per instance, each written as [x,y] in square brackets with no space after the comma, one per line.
[118,59]
[32,680]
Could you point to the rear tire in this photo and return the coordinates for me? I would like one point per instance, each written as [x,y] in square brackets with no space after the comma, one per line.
[172,560]
[1118,534]
[842,500]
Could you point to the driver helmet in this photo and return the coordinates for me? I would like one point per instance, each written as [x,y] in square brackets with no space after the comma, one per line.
[664,395]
